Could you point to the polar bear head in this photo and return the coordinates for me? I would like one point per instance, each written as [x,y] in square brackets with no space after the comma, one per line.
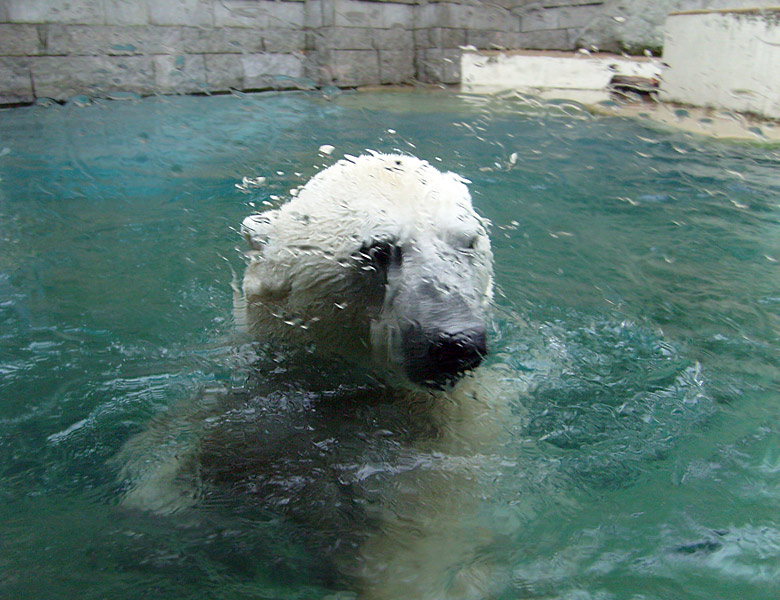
[378,259]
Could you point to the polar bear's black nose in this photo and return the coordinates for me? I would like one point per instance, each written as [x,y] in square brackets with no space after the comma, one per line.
[462,350]
[441,357]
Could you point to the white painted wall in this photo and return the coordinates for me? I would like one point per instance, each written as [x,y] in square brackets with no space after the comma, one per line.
[636,24]
[728,59]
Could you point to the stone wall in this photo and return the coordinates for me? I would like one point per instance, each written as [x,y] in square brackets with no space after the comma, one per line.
[62,48]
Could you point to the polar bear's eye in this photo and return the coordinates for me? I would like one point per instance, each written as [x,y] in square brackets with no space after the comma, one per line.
[381,253]
[467,243]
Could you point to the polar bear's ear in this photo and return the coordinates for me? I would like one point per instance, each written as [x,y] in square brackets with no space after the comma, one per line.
[257,228]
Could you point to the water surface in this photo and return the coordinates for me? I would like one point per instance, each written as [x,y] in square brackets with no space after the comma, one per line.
[638,300]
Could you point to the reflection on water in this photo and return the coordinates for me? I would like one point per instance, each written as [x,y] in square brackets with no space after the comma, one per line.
[637,309]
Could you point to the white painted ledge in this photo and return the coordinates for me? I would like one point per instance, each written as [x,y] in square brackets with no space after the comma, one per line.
[726,59]
[579,76]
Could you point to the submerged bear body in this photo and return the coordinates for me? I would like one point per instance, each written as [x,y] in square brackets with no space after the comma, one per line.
[368,433]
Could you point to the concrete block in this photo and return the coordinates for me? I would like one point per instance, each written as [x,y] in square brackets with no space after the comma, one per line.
[354,67]
[577,17]
[85,12]
[62,77]
[422,38]
[230,40]
[63,40]
[554,39]
[636,24]
[262,71]
[201,40]
[396,66]
[537,18]
[328,12]
[224,72]
[283,41]
[192,13]
[93,40]
[353,13]
[449,38]
[438,66]
[398,39]
[358,13]
[19,40]
[259,14]
[316,67]
[443,14]
[126,12]
[492,17]
[150,39]
[313,16]
[240,40]
[179,74]
[560,3]
[439,37]
[17,81]
[450,66]
[349,38]
[494,40]
[318,41]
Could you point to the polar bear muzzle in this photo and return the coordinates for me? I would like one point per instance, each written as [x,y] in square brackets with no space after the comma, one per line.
[442,332]
[436,358]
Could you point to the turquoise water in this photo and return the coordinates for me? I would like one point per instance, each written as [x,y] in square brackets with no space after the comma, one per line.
[638,299]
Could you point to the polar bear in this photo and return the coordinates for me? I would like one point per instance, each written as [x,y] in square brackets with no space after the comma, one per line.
[380,257]
[378,262]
